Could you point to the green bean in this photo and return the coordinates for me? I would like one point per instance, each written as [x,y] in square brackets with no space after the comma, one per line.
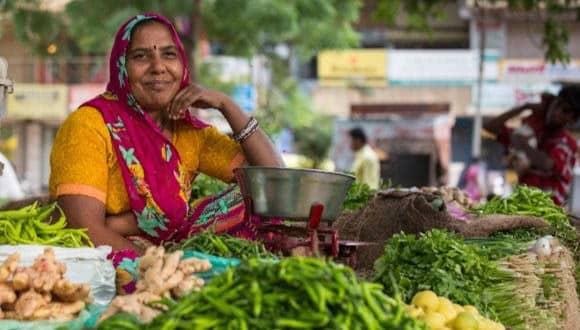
[29,225]
[293,293]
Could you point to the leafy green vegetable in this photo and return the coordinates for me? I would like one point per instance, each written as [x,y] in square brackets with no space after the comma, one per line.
[204,186]
[442,262]
[530,201]
[222,245]
[358,196]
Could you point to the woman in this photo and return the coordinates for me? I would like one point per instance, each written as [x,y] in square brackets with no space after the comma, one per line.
[123,163]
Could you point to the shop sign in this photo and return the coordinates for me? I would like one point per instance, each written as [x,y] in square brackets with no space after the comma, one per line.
[37,101]
[439,67]
[364,67]
[505,96]
[537,70]
[79,94]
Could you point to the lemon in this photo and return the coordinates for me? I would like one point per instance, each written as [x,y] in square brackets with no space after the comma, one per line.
[471,310]
[465,321]
[458,308]
[486,324]
[414,312]
[446,309]
[434,320]
[427,300]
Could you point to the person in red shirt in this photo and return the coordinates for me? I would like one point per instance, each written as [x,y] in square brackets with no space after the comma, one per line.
[546,150]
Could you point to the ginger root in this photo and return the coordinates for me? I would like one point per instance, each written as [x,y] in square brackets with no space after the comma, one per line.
[66,291]
[28,303]
[39,291]
[136,303]
[9,266]
[161,275]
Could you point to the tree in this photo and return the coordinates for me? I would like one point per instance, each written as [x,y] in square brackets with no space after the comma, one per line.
[242,27]
[421,13]
[239,27]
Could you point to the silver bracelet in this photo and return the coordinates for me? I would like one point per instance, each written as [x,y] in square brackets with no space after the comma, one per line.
[246,132]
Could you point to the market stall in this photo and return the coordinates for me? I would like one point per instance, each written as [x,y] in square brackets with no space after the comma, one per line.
[428,258]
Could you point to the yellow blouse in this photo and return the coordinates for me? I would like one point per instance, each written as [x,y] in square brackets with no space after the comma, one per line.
[84,162]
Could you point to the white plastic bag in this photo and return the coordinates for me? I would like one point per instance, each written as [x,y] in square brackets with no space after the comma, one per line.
[83,265]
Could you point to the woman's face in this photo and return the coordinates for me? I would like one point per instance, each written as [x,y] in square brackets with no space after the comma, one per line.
[154,66]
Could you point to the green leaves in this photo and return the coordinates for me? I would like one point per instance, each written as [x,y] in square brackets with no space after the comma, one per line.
[442,262]
[358,196]
[421,14]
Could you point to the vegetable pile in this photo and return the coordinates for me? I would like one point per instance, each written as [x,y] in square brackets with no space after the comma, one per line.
[161,275]
[225,246]
[296,292]
[40,291]
[444,263]
[529,201]
[32,225]
[358,196]
[450,194]
[441,313]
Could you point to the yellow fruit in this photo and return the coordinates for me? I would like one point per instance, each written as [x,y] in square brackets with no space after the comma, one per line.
[427,300]
[471,310]
[414,312]
[465,321]
[434,320]
[446,309]
[486,324]
[458,308]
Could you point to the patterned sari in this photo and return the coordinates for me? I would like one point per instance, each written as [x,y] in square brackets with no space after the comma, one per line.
[151,166]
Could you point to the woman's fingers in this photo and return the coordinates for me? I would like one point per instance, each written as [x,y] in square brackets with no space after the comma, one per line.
[192,95]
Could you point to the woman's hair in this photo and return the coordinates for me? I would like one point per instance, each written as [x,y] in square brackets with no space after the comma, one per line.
[358,133]
[571,95]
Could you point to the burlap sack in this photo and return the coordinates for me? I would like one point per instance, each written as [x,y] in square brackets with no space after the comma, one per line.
[392,212]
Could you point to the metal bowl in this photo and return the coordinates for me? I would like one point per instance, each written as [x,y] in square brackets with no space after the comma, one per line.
[289,193]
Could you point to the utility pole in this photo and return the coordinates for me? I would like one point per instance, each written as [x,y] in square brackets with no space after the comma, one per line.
[476,140]
[195,27]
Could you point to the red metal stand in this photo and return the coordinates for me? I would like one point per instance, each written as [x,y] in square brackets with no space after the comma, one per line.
[284,238]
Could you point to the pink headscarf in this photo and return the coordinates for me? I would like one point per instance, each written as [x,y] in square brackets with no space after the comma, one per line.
[150,164]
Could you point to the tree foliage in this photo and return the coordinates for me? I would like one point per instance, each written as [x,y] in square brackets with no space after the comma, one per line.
[242,27]
[421,13]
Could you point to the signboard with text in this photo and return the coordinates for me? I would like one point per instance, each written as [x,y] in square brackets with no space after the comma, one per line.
[36,101]
[505,96]
[423,67]
[366,67]
[537,70]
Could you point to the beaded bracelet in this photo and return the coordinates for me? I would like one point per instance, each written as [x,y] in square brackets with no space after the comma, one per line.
[247,131]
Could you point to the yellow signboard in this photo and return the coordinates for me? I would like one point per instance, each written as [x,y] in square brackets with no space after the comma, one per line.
[366,67]
[37,101]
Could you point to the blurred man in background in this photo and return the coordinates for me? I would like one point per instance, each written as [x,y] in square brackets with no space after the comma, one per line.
[10,188]
[542,151]
[366,166]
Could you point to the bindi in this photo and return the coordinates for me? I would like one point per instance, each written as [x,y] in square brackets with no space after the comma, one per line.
[154,47]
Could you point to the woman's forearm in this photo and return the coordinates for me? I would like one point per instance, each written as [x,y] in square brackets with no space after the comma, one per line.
[107,236]
[258,148]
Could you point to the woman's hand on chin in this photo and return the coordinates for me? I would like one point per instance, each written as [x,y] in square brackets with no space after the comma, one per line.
[196,96]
